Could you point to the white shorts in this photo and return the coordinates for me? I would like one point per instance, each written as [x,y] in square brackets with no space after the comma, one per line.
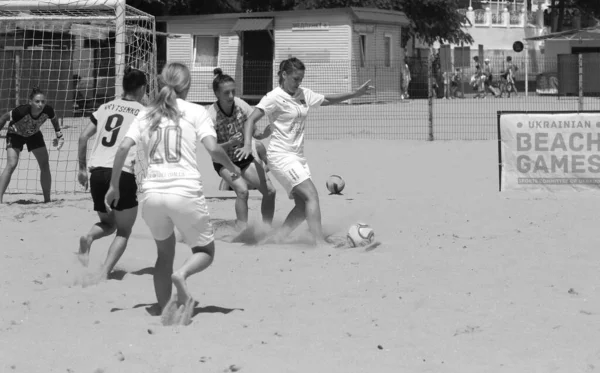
[163,212]
[289,171]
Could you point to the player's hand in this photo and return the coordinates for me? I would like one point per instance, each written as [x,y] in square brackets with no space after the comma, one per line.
[243,153]
[365,89]
[59,141]
[82,177]
[237,139]
[111,198]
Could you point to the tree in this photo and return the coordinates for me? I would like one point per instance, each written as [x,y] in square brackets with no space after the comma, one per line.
[430,20]
[589,9]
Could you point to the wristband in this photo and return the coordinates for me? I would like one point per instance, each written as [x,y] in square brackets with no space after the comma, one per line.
[59,134]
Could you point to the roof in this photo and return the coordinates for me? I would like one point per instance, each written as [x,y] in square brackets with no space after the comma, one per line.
[252,24]
[366,15]
[590,33]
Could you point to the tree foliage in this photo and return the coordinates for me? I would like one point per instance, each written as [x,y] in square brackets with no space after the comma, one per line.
[430,20]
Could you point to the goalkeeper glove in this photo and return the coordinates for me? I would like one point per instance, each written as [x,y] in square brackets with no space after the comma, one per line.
[59,141]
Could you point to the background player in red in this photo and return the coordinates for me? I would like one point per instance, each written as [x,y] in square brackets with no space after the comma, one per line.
[24,129]
[110,123]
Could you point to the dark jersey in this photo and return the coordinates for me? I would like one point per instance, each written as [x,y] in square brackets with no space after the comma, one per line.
[22,123]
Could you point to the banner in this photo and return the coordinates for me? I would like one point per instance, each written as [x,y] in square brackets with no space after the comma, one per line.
[549,151]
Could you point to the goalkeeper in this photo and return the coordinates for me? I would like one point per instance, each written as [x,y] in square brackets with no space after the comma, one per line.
[24,129]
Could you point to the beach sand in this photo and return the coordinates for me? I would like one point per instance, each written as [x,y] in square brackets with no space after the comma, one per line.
[467,279]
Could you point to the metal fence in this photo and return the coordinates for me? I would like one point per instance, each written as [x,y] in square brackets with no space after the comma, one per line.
[395,111]
[404,108]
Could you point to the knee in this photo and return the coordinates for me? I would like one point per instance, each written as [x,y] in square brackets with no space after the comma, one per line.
[45,167]
[11,166]
[243,194]
[271,192]
[124,232]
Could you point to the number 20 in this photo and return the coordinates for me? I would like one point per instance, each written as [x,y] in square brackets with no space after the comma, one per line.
[172,155]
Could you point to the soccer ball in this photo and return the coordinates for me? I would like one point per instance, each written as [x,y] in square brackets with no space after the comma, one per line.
[360,234]
[335,184]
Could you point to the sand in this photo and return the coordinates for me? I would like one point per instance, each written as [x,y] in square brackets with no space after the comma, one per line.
[467,279]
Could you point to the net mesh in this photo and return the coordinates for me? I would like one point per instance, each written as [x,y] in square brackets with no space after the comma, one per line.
[69,51]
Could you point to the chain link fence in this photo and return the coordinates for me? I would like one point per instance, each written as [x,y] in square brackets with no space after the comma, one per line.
[458,106]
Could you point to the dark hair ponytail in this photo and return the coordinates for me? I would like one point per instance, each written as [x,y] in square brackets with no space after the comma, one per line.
[35,91]
[133,79]
[220,78]
[289,66]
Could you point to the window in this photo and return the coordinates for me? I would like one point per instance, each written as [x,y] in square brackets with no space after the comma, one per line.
[206,51]
[362,40]
[387,50]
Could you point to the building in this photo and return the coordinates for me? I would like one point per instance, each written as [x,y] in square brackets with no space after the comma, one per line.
[341,48]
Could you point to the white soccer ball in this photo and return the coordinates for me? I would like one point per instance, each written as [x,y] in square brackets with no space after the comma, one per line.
[360,234]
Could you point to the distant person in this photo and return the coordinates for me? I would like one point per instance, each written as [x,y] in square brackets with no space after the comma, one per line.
[508,78]
[406,78]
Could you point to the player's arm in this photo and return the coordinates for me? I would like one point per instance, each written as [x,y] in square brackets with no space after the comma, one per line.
[119,162]
[217,153]
[249,128]
[85,136]
[3,119]
[335,99]
[260,135]
[112,196]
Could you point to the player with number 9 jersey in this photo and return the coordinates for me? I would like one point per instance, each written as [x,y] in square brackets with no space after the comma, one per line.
[112,121]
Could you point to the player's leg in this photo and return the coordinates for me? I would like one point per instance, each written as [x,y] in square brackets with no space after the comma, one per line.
[257,177]
[156,215]
[99,183]
[12,160]
[191,217]
[240,188]
[307,192]
[125,215]
[261,151]
[105,227]
[37,146]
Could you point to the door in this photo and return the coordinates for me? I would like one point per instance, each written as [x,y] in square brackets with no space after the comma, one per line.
[258,63]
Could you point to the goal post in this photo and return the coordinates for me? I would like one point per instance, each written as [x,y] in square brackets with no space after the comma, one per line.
[76,51]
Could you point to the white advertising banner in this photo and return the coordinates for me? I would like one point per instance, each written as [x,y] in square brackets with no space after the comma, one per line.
[549,151]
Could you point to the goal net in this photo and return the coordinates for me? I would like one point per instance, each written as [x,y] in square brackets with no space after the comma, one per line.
[76,51]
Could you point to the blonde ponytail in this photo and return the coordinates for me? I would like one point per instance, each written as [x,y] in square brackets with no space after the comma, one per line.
[174,83]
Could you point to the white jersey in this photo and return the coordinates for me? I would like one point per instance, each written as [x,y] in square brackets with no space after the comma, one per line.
[112,121]
[287,115]
[171,150]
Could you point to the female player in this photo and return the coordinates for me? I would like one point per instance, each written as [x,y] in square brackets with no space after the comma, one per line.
[287,107]
[169,131]
[24,129]
[229,114]
[110,123]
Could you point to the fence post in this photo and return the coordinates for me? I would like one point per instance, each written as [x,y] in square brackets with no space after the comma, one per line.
[526,69]
[430,92]
[580,58]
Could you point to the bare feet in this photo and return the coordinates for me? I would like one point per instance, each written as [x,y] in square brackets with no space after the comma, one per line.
[167,316]
[84,250]
[183,295]
[179,310]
